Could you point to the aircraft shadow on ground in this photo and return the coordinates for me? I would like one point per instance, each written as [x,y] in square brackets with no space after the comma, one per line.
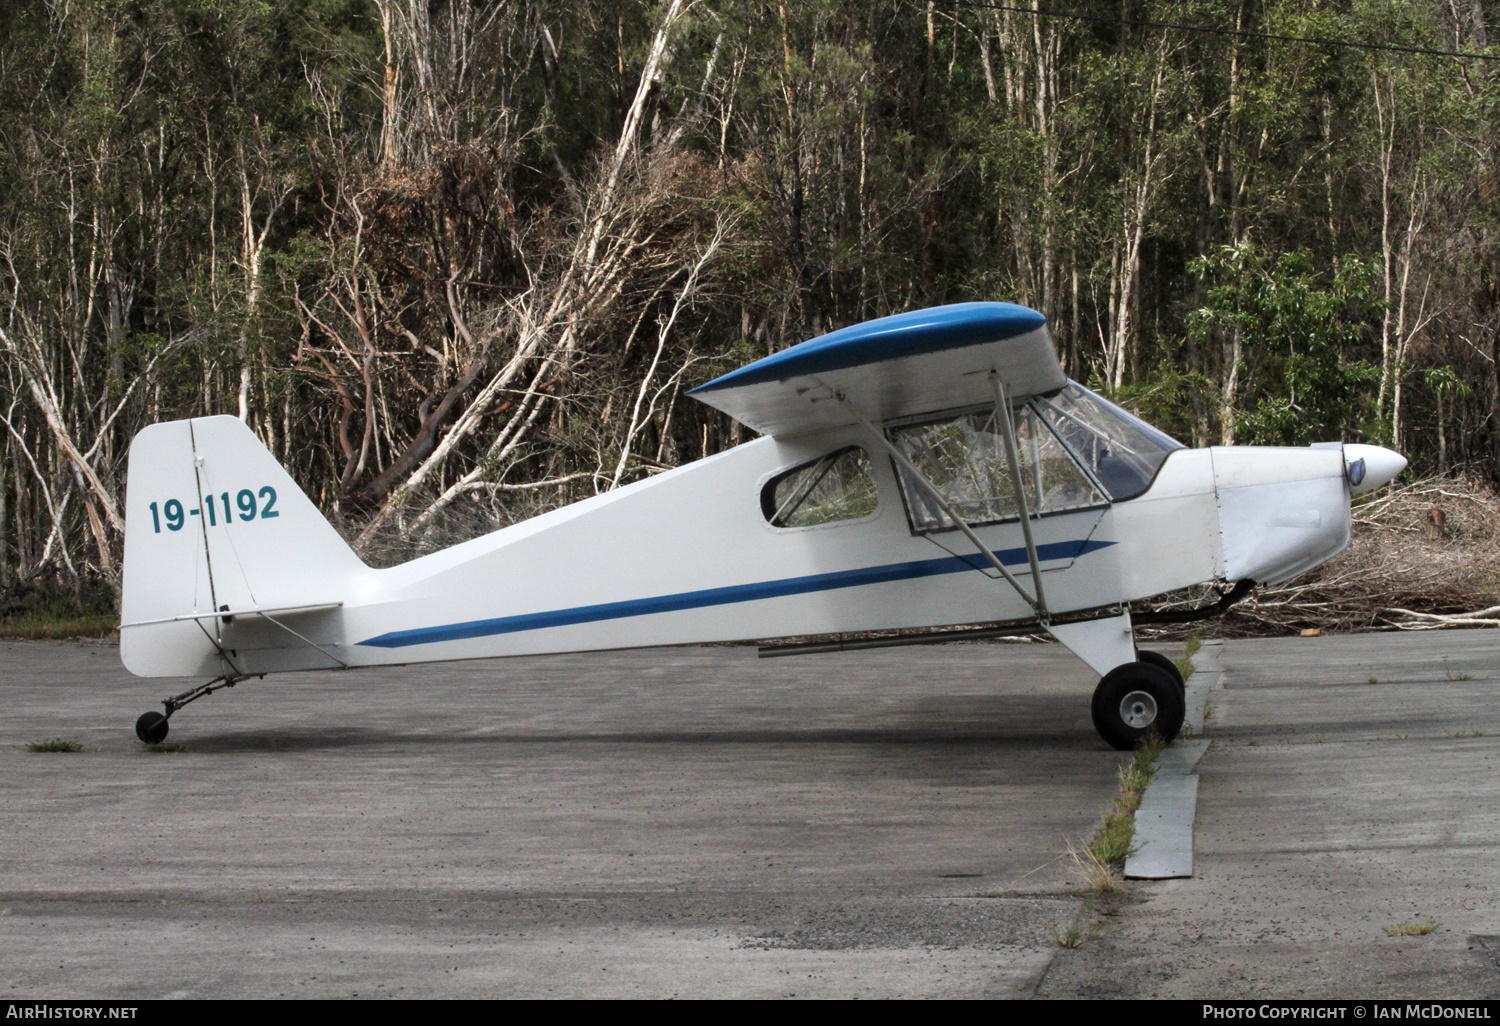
[1054,722]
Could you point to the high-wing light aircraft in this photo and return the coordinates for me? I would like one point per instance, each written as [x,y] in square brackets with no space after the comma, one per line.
[933,469]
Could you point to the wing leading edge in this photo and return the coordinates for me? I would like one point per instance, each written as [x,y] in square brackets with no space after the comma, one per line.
[909,363]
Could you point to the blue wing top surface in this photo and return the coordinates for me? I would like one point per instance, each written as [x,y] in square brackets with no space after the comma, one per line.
[910,363]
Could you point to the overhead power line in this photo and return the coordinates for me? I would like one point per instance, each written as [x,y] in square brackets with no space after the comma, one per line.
[1210,30]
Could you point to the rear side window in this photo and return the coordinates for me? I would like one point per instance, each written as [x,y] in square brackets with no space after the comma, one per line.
[835,487]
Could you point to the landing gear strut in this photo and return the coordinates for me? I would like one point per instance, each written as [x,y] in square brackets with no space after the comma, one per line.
[152,726]
[1136,700]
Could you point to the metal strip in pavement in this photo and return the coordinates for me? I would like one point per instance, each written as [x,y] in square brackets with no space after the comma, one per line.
[1164,829]
[1205,678]
[1164,822]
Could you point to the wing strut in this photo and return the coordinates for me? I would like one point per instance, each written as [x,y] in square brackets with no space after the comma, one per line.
[963,525]
[1008,428]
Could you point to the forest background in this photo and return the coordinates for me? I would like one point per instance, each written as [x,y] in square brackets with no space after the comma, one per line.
[457,261]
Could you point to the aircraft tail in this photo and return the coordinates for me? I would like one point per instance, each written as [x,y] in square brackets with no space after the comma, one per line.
[229,567]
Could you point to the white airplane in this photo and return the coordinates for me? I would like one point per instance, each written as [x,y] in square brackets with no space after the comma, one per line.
[922,471]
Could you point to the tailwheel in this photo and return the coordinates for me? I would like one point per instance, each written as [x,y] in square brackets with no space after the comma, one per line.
[151,728]
[1162,662]
[1137,700]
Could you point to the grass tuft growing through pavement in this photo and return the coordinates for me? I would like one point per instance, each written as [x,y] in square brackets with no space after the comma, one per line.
[1105,855]
[1453,674]
[165,747]
[1420,928]
[55,744]
[1073,936]
[1185,664]
[1098,875]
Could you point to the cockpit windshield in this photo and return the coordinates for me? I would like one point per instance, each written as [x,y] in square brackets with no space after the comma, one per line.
[963,457]
[1122,451]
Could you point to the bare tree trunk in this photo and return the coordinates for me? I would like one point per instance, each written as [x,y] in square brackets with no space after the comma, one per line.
[390,127]
[252,248]
[1233,356]
[6,474]
[1493,365]
[684,297]
[33,369]
[1385,118]
[1146,181]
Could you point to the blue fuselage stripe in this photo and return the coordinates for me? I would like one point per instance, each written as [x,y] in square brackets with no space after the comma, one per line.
[726,596]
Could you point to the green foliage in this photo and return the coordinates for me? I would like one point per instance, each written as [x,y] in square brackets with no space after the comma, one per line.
[1300,332]
[1169,399]
[1283,241]
[1444,379]
[1111,843]
[1185,664]
[1072,936]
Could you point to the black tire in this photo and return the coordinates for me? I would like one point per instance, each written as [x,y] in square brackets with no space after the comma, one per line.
[1157,659]
[1136,700]
[151,728]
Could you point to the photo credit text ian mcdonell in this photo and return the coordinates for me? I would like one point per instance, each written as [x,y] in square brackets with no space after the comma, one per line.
[1348,1010]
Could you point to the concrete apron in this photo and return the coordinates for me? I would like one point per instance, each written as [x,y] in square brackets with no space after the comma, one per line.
[658,823]
[1164,822]
[1347,833]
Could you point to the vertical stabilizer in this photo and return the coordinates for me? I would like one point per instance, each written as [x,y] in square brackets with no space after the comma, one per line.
[214,524]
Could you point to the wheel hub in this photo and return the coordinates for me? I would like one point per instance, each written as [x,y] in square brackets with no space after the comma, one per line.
[1138,709]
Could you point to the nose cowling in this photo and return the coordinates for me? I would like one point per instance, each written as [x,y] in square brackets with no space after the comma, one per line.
[1370,466]
[1281,511]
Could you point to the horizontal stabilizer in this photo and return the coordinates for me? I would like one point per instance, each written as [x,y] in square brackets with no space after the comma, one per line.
[318,607]
[911,363]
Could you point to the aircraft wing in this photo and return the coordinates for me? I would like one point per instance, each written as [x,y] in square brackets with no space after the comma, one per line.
[910,363]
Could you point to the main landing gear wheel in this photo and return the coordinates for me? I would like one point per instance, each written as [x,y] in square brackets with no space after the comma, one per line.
[1137,700]
[1161,661]
[151,728]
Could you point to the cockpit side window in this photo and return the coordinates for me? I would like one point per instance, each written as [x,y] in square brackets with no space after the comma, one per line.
[963,457]
[1120,450]
[836,487]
